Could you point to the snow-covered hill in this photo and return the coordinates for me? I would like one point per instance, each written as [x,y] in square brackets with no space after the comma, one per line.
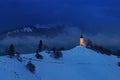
[78,63]
[11,69]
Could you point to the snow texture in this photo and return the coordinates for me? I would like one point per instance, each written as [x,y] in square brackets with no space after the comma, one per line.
[78,63]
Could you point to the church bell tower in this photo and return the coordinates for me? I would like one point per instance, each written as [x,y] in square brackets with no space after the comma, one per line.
[82,41]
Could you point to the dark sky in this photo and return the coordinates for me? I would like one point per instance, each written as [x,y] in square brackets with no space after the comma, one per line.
[94,15]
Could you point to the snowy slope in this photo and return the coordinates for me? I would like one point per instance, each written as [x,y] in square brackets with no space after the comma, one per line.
[11,69]
[78,63]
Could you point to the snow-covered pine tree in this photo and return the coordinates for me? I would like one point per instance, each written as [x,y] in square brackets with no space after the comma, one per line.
[38,56]
[31,67]
[11,51]
[89,43]
[40,46]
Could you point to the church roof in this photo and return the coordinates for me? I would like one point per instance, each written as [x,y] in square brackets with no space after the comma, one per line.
[81,36]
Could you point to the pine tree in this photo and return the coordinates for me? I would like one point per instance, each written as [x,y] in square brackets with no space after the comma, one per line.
[40,46]
[38,56]
[11,51]
[57,54]
[89,43]
[31,67]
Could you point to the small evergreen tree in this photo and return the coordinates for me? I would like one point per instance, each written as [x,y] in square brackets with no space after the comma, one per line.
[40,46]
[89,43]
[31,67]
[38,56]
[57,55]
[11,51]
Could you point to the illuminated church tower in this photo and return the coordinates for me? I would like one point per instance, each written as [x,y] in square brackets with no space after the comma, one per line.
[82,41]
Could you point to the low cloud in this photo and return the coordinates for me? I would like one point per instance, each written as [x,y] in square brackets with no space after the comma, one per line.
[111,41]
[68,38]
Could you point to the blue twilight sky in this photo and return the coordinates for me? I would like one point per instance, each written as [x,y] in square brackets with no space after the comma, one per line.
[93,15]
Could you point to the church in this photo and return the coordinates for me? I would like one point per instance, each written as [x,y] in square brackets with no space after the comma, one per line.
[82,41]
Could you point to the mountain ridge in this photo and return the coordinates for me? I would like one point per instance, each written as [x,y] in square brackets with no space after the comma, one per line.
[35,30]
